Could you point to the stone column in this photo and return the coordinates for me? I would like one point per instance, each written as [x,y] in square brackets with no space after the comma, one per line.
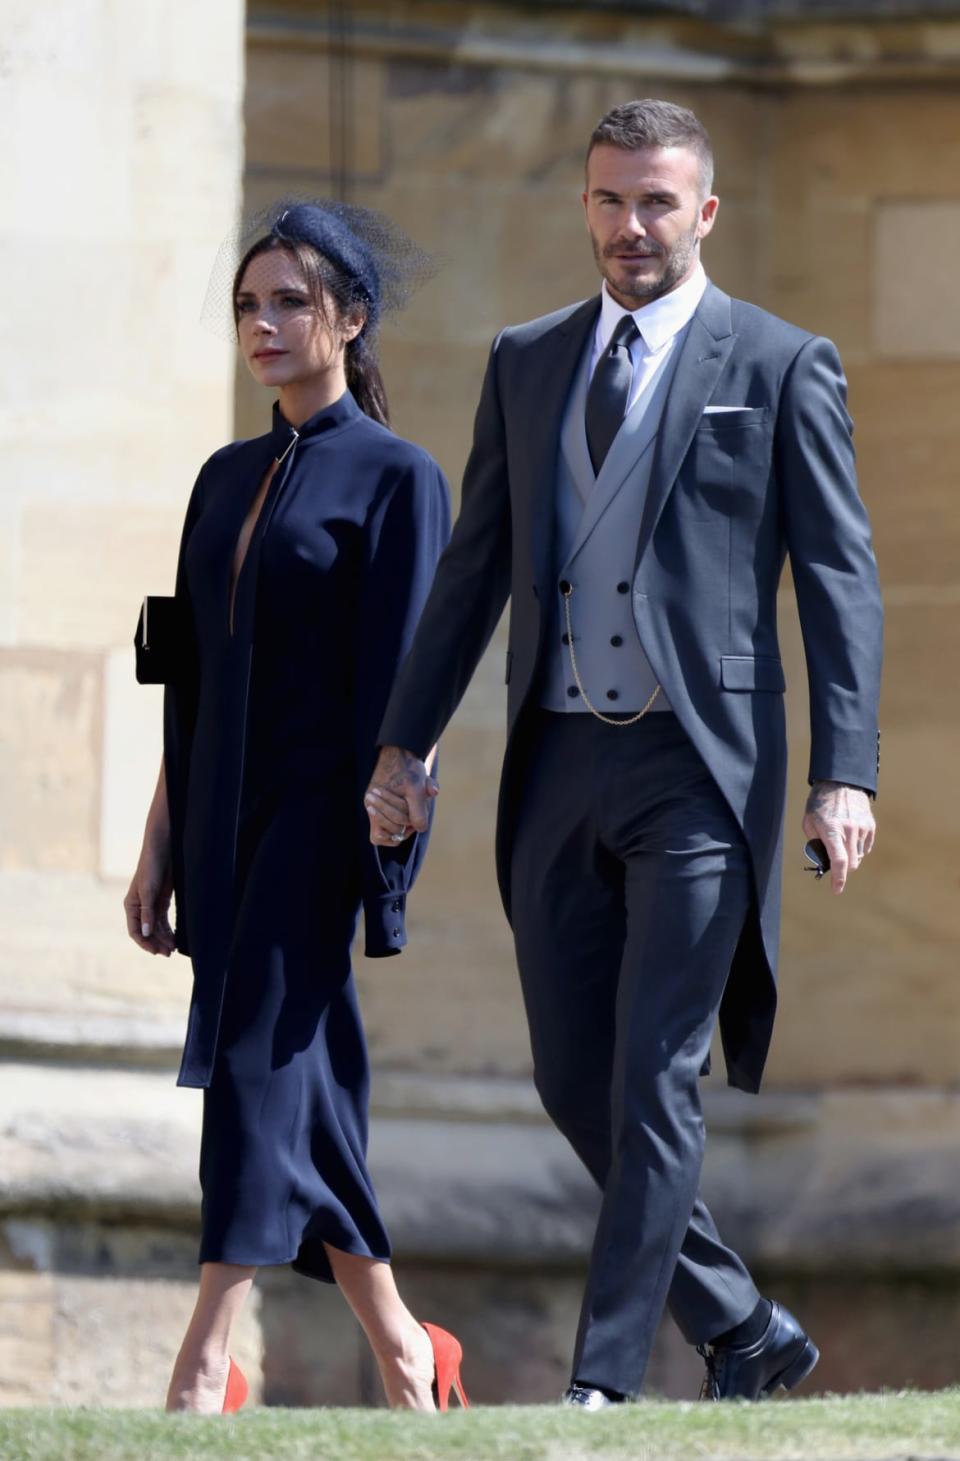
[120,175]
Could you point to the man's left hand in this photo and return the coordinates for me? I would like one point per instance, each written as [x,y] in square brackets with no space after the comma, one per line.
[842,817]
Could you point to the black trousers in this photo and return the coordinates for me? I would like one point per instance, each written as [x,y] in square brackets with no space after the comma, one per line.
[630,885]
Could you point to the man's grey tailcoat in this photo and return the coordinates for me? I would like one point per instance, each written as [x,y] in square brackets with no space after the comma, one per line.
[730,494]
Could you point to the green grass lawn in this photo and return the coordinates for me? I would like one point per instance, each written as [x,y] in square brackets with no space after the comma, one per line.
[870,1427]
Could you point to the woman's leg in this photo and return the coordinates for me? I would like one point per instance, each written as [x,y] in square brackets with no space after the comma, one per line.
[199,1378]
[401,1347]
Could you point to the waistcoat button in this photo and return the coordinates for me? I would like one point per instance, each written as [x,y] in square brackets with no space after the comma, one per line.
[613,694]
[572,691]
[564,587]
[565,638]
[616,640]
[623,587]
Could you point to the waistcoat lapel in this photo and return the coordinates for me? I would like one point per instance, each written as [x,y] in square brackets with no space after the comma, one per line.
[631,443]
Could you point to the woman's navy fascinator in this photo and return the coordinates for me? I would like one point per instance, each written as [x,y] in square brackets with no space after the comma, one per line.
[382,265]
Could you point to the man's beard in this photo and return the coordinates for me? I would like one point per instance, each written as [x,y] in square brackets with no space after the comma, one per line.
[678,262]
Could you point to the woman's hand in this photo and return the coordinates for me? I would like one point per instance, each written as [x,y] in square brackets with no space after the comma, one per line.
[147,904]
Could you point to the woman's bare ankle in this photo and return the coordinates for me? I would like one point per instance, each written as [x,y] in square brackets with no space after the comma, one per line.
[199,1380]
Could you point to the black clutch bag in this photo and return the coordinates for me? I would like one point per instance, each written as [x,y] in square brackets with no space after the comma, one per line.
[163,641]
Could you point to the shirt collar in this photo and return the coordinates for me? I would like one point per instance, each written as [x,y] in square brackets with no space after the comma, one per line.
[659,320]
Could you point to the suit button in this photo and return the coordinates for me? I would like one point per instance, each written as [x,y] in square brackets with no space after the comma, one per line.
[572,691]
[565,639]
[623,587]
[613,694]
[616,640]
[395,906]
[564,587]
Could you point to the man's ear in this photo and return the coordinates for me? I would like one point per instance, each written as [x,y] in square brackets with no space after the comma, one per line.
[708,215]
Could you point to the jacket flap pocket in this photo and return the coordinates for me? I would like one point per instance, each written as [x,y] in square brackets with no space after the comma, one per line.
[751,672]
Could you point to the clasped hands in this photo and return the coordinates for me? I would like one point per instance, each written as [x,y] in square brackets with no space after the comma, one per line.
[401,789]
[399,795]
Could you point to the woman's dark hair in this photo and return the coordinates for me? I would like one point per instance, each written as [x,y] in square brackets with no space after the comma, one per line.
[328,280]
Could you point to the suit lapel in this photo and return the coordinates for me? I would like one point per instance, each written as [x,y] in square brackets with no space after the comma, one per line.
[561,352]
[703,355]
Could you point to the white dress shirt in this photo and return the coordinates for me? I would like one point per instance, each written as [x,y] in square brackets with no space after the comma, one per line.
[659,322]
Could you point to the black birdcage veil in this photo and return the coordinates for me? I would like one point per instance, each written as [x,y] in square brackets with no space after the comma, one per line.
[381,265]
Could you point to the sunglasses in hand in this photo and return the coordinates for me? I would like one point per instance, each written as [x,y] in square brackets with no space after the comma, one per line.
[818,858]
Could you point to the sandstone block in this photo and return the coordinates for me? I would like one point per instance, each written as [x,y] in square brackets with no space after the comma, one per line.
[928,326]
[64,602]
[49,726]
[288,112]
[65,953]
[904,435]
[132,750]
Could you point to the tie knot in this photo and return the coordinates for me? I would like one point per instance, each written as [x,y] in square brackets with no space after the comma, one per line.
[625,333]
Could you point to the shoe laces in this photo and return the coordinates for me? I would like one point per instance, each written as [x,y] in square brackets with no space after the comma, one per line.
[710,1389]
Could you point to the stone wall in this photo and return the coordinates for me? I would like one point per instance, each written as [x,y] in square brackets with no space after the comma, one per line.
[840,210]
[120,174]
[836,145]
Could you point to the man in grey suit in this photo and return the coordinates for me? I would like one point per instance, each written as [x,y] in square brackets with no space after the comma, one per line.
[642,463]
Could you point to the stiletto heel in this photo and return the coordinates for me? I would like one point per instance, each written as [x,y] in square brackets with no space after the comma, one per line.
[447,1359]
[237,1389]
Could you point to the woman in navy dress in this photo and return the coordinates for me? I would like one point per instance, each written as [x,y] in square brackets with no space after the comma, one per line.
[306,557]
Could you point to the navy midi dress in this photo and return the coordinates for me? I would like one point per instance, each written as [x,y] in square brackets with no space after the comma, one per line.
[269,737]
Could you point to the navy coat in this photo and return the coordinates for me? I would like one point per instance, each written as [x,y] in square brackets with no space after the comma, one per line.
[729,496]
[335,577]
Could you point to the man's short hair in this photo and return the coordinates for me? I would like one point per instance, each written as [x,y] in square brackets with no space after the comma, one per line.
[652,123]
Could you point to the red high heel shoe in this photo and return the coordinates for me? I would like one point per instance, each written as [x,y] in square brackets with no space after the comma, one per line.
[447,1359]
[237,1389]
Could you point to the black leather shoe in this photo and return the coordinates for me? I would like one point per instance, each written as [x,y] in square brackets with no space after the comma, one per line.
[585,1397]
[782,1356]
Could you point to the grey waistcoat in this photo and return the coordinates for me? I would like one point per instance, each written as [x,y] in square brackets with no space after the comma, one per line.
[595,542]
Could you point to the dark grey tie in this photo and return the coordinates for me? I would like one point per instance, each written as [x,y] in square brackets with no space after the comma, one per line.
[610,391]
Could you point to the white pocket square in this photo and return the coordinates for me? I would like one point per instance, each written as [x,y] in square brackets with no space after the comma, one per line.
[716,410]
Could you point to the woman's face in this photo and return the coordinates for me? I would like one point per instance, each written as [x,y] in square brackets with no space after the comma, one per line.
[283,337]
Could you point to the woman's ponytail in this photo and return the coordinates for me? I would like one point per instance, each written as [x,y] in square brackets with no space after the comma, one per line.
[365,381]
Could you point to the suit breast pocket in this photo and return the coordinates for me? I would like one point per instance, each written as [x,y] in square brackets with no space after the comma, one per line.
[727,469]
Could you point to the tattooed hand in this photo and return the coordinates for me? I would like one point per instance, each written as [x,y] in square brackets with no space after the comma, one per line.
[396,799]
[841,816]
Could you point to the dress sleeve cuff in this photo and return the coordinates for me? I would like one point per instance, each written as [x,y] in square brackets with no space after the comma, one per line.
[384,925]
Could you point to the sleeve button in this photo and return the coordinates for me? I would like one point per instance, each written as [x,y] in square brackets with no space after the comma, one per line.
[395,906]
